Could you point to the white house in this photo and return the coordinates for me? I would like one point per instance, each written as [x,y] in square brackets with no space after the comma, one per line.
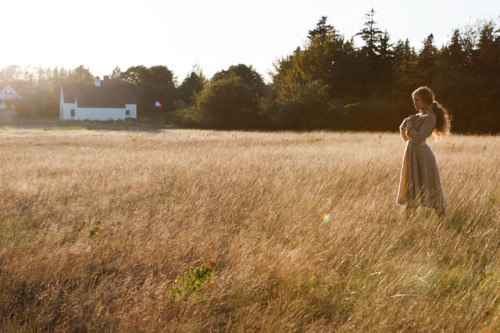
[7,96]
[101,101]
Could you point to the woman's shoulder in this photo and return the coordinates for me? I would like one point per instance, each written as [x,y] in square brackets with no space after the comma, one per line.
[429,119]
[429,115]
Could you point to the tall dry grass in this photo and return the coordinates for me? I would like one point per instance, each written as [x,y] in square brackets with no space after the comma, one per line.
[100,231]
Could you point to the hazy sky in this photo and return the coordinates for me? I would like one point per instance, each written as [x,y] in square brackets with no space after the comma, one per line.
[212,34]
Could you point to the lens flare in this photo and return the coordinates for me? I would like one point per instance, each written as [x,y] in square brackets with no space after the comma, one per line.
[158,104]
[327,218]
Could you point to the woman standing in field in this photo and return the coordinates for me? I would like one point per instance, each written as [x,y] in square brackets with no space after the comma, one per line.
[420,184]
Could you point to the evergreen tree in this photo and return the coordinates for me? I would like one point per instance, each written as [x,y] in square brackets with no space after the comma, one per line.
[371,72]
[322,30]
[404,69]
[192,84]
[372,36]
[427,62]
[488,51]
[454,52]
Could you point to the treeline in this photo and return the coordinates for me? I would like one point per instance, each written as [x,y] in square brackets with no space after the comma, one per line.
[335,83]
[329,83]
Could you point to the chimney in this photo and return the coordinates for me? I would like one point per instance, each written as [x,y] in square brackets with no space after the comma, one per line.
[97,81]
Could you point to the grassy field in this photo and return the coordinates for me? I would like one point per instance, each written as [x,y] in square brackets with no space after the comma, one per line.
[195,231]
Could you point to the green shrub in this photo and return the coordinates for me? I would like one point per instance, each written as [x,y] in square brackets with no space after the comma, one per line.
[228,103]
[301,106]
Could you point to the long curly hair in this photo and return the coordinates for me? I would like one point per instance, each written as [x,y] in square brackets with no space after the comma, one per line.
[443,118]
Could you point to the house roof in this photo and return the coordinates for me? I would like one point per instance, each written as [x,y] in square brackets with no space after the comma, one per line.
[9,93]
[105,96]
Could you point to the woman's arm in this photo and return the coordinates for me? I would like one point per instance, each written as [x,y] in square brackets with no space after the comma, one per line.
[402,130]
[419,135]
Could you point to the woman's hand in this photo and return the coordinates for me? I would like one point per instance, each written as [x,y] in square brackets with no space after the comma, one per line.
[413,117]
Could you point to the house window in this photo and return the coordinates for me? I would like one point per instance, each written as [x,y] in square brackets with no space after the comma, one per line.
[72,112]
[127,112]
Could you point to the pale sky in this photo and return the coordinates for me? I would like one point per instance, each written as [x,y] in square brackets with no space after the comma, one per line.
[214,35]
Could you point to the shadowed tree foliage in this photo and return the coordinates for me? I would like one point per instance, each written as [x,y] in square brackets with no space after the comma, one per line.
[404,68]
[162,86]
[228,103]
[194,82]
[41,87]
[248,76]
[427,61]
[372,37]
[374,59]
[326,66]
[230,100]
[464,73]
[139,78]
[152,84]
[302,106]
[327,58]
[80,75]
[10,74]
[322,30]
[116,74]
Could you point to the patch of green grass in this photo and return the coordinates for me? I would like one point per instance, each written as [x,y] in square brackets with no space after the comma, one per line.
[193,281]
[20,230]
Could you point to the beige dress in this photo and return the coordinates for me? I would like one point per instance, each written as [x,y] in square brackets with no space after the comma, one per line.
[419,183]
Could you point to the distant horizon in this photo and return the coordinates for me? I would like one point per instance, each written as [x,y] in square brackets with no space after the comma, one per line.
[212,36]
